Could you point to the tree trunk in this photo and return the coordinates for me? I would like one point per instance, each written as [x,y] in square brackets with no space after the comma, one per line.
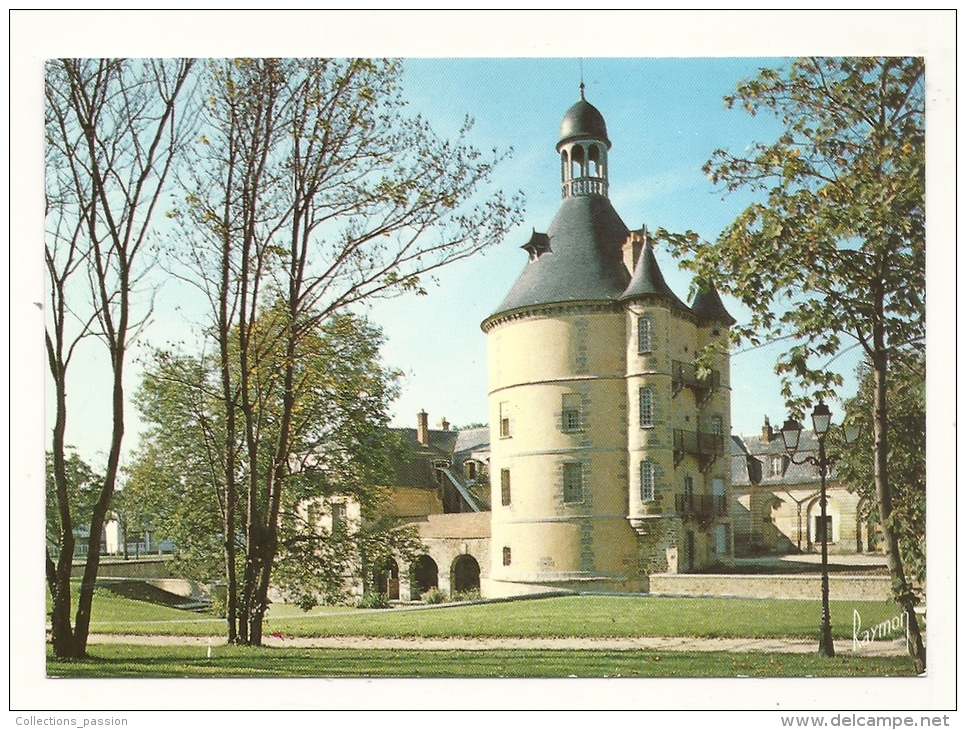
[901,589]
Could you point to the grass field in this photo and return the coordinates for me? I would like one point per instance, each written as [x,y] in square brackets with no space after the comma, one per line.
[120,660]
[569,616]
[579,616]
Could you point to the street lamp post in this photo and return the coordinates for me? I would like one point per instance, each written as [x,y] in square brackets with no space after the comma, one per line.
[791,433]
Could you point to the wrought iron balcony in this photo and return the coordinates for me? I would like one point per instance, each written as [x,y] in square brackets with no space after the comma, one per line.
[705,447]
[702,508]
[685,375]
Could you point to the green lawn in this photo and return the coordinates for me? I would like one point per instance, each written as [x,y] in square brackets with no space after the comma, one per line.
[591,616]
[121,660]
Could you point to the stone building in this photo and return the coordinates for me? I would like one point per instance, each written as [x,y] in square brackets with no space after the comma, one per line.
[608,458]
[775,503]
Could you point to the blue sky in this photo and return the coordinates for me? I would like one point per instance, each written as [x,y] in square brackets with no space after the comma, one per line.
[665,117]
[657,77]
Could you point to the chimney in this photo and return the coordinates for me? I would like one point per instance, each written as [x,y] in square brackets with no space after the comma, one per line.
[767,433]
[444,424]
[633,247]
[422,428]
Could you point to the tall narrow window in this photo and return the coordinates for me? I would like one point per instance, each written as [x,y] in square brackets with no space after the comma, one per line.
[823,530]
[338,517]
[571,412]
[716,425]
[505,487]
[647,481]
[593,158]
[504,420]
[577,161]
[643,334]
[573,477]
[647,408]
[506,556]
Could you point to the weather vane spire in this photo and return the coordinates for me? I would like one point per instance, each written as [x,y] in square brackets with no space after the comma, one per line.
[582,80]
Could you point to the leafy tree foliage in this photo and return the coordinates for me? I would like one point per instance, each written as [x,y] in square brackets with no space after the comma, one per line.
[341,447]
[83,488]
[906,460]
[834,253]
[313,190]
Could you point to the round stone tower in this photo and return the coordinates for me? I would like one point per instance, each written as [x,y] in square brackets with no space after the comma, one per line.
[558,394]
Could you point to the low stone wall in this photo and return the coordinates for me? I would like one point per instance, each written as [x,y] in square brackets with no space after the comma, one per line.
[841,587]
[150,568]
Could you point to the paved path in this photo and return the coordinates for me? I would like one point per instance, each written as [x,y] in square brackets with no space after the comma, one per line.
[644,643]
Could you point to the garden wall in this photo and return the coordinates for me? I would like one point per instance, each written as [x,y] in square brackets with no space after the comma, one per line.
[841,587]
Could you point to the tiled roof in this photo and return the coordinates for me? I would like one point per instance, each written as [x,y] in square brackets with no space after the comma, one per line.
[649,282]
[746,450]
[584,262]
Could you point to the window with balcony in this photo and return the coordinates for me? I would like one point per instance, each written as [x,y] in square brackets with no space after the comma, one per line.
[573,482]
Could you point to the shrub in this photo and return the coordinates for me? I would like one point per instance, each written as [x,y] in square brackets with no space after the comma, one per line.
[433,595]
[470,595]
[374,600]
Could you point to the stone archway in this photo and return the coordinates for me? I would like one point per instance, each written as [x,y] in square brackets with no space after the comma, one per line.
[387,579]
[425,575]
[465,574]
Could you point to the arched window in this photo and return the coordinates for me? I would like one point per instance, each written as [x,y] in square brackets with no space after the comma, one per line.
[593,158]
[564,164]
[647,408]
[577,161]
[643,334]
[647,481]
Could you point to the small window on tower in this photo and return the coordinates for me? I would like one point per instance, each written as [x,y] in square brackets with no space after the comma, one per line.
[643,334]
[504,420]
[505,487]
[573,487]
[647,408]
[571,412]
[506,556]
[647,481]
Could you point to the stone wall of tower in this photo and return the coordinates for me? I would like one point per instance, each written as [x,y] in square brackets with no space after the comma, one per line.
[542,364]
[671,537]
[716,413]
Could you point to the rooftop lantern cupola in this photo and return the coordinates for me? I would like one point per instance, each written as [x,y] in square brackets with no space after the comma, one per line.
[583,149]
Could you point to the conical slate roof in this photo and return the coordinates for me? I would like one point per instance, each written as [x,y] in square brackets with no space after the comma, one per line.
[707,305]
[583,262]
[648,280]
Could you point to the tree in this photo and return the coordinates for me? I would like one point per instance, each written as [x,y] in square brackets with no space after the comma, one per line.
[906,460]
[341,448]
[837,247]
[313,191]
[113,128]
